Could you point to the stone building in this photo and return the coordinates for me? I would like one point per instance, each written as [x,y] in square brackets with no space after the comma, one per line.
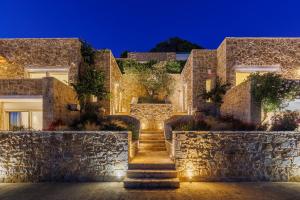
[35,77]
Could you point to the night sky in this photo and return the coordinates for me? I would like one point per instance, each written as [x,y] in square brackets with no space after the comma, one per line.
[138,25]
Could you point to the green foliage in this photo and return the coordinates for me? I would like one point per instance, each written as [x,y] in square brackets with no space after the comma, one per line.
[124,54]
[286,121]
[272,90]
[132,65]
[155,79]
[175,44]
[175,67]
[91,81]
[217,93]
[87,53]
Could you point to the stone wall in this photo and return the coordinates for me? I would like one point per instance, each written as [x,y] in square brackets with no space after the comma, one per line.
[151,116]
[105,61]
[63,156]
[204,67]
[221,57]
[187,81]
[148,56]
[262,52]
[21,87]
[239,103]
[56,97]
[238,156]
[17,54]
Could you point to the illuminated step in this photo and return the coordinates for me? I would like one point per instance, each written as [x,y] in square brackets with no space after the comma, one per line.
[151,183]
[151,173]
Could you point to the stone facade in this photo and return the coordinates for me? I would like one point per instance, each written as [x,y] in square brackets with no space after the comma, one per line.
[21,87]
[18,54]
[149,56]
[204,67]
[56,98]
[151,116]
[262,52]
[187,84]
[105,61]
[239,103]
[63,156]
[237,156]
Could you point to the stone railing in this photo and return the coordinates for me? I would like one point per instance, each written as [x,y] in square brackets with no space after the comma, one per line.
[152,116]
[63,156]
[237,156]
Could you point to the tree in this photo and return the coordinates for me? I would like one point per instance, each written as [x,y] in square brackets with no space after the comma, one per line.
[175,44]
[124,54]
[216,94]
[156,81]
[91,81]
[273,91]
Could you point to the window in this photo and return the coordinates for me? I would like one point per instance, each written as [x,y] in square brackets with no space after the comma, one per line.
[240,77]
[25,120]
[208,87]
[18,120]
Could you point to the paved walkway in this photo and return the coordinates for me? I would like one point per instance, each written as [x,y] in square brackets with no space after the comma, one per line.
[111,191]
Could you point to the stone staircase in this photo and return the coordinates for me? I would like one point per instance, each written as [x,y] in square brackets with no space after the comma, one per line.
[152,167]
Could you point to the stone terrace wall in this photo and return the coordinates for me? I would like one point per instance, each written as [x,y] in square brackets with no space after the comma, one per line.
[63,156]
[151,115]
[21,87]
[158,56]
[16,54]
[263,51]
[244,156]
[56,97]
[238,103]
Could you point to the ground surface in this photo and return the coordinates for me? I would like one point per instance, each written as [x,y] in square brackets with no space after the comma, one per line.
[111,191]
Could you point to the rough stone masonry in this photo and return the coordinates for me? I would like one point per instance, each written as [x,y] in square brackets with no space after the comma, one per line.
[238,156]
[63,156]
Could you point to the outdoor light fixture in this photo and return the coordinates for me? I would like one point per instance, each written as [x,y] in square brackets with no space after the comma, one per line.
[119,173]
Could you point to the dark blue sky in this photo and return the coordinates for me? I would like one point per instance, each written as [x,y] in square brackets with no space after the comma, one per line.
[138,25]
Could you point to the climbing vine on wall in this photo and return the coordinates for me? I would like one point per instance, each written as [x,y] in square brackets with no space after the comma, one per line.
[90,81]
[273,91]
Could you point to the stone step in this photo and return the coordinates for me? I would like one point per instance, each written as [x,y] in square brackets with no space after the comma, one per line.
[149,148]
[151,141]
[151,132]
[151,183]
[151,137]
[152,174]
[152,144]
[151,166]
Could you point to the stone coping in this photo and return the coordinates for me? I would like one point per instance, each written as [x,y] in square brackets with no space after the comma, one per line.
[66,132]
[235,132]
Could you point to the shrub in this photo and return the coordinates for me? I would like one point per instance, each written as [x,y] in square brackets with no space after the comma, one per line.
[238,125]
[175,67]
[286,121]
[194,124]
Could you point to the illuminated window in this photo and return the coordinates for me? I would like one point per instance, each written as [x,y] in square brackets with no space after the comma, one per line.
[240,77]
[208,86]
[26,120]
